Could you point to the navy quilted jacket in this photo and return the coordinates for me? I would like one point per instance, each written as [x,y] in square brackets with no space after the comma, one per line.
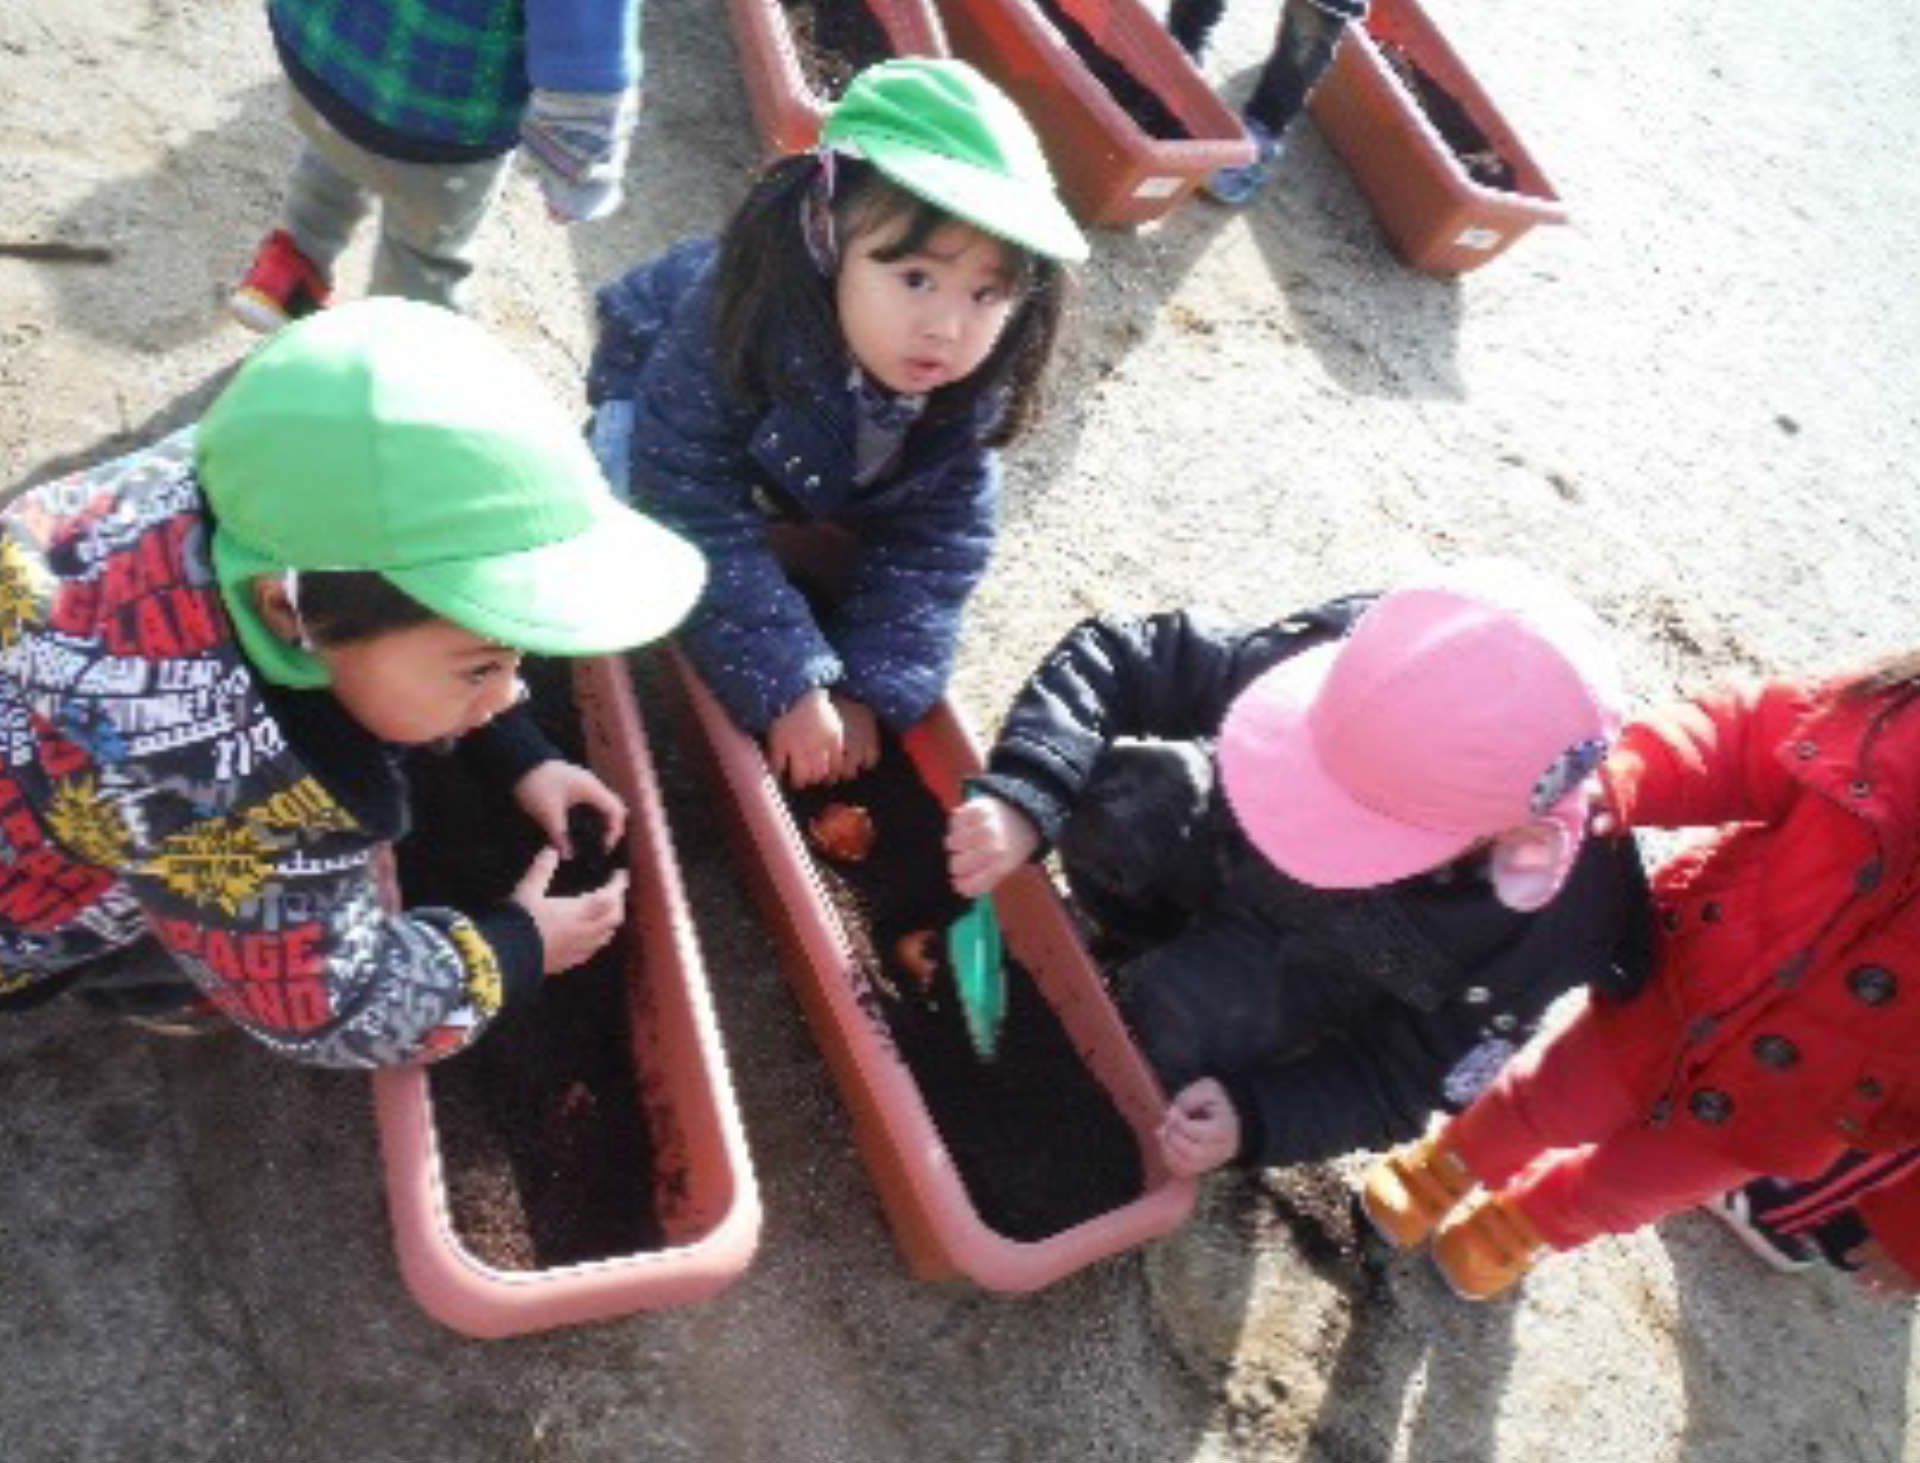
[718,470]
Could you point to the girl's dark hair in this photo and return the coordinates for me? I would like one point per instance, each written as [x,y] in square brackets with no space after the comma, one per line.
[340,606]
[772,297]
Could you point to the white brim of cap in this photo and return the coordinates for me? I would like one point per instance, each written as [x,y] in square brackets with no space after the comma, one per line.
[623,582]
[1293,810]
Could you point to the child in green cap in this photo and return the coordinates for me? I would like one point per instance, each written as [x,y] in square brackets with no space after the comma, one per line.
[874,322]
[214,651]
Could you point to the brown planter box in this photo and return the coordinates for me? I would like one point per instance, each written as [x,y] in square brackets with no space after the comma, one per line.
[939,1230]
[787,109]
[1110,171]
[1437,217]
[706,1200]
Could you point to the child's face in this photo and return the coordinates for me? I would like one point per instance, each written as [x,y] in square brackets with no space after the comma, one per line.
[929,318]
[423,683]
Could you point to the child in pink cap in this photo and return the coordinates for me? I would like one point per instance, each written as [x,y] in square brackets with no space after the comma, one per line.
[1339,861]
[1781,1029]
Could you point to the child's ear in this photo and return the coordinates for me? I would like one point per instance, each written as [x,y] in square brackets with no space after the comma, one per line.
[276,611]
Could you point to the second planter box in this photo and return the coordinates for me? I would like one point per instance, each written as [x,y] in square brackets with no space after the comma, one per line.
[908,1134]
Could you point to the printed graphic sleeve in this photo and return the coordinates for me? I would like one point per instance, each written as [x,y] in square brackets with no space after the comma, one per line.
[289,934]
[898,626]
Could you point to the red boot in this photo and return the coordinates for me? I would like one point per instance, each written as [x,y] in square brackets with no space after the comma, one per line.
[1481,1250]
[1413,1188]
[281,285]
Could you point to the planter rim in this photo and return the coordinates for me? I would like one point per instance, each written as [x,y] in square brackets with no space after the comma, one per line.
[1231,150]
[992,1259]
[452,1283]
[1545,205]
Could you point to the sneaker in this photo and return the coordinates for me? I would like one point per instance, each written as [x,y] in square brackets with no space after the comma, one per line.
[1787,1253]
[1241,183]
[282,284]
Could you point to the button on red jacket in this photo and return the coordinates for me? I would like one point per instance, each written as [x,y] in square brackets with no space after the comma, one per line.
[1783,1021]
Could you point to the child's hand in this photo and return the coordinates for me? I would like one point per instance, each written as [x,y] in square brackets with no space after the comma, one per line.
[1201,1130]
[547,793]
[807,741]
[859,737]
[573,928]
[987,839]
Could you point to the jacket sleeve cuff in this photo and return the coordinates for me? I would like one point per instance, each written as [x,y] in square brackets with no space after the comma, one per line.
[508,747]
[515,939]
[1037,805]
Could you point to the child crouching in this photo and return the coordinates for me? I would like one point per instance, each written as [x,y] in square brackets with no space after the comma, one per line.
[214,651]
[1779,1031]
[873,325]
[1337,859]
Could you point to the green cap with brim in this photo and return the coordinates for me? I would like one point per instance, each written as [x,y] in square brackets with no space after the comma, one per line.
[402,438]
[945,133]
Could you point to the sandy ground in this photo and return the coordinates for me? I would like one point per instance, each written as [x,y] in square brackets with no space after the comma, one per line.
[1697,404]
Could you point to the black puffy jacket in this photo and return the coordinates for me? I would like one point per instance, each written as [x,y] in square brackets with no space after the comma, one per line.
[1413,992]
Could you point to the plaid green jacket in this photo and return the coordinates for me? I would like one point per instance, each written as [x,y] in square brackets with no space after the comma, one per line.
[451,74]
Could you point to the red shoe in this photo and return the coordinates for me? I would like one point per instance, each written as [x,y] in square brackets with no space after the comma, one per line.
[281,285]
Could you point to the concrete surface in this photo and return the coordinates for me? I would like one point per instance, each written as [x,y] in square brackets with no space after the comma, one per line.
[1697,403]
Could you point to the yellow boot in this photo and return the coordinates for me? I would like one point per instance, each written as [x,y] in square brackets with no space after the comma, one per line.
[1413,1188]
[1485,1247]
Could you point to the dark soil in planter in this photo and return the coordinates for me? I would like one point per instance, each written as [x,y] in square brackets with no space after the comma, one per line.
[1451,120]
[1035,1138]
[835,40]
[545,1148]
[1139,101]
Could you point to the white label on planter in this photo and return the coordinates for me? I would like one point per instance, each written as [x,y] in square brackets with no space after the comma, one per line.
[1157,188]
[1478,238]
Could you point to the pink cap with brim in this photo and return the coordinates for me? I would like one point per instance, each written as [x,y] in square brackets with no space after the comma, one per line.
[1454,711]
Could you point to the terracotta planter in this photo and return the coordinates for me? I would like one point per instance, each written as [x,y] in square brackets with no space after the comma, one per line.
[706,1200]
[1110,170]
[787,108]
[935,1222]
[1437,217]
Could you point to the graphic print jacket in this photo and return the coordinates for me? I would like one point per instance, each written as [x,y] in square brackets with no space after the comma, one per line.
[150,782]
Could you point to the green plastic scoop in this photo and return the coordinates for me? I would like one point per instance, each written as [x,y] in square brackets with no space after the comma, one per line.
[975,951]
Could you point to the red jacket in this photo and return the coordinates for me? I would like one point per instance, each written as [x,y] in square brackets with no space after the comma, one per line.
[1783,1020]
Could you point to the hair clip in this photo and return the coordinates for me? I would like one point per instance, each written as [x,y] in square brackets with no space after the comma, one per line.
[816,215]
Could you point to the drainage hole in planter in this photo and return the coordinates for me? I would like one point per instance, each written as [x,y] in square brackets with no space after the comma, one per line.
[544,1144]
[1451,120]
[1138,100]
[835,40]
[1035,1138]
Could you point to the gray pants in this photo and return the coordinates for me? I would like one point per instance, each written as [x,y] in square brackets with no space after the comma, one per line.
[429,212]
